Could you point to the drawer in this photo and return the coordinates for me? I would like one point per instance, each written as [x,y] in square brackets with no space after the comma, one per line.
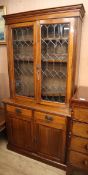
[19,111]
[80,129]
[50,120]
[80,114]
[79,144]
[78,160]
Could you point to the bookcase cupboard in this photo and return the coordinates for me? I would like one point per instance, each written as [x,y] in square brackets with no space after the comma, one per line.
[43,59]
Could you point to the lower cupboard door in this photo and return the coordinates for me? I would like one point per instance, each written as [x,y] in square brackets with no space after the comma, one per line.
[19,132]
[50,142]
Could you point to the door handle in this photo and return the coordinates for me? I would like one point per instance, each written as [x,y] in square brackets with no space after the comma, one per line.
[48,118]
[38,67]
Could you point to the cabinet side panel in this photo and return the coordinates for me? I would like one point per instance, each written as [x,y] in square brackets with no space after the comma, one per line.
[76,59]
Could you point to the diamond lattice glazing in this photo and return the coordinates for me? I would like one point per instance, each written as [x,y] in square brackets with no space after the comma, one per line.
[23,60]
[54,50]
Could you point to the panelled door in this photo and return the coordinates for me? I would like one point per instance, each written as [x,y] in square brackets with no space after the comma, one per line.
[20,132]
[50,136]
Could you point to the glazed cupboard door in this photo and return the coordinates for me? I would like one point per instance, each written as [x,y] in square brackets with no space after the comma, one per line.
[56,59]
[22,59]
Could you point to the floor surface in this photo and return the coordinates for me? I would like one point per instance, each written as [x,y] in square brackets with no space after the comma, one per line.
[12,163]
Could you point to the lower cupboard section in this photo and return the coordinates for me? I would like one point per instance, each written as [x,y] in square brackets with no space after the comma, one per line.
[44,136]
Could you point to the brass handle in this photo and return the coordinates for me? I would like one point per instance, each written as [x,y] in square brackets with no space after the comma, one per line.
[48,118]
[86,147]
[38,74]
[18,111]
[38,71]
[85,162]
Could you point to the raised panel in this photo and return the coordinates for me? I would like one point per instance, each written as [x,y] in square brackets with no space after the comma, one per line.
[80,129]
[19,132]
[79,144]
[50,142]
[19,111]
[80,114]
[51,120]
[78,160]
[29,136]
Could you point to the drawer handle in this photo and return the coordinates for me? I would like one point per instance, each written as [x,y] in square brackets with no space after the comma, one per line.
[48,118]
[85,162]
[18,111]
[86,147]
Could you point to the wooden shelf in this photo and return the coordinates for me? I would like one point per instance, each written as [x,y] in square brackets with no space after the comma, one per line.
[58,58]
[25,60]
[44,61]
[54,61]
[52,38]
[23,40]
[53,94]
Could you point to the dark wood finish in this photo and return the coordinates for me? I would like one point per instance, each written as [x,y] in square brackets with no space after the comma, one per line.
[18,111]
[20,131]
[52,120]
[2,120]
[47,16]
[37,132]
[50,129]
[67,11]
[39,128]
[78,160]
[26,104]
[79,144]
[80,129]
[78,149]
[81,114]
[37,157]
[72,170]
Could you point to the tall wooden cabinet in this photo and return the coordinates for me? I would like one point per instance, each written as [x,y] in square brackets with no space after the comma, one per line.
[43,59]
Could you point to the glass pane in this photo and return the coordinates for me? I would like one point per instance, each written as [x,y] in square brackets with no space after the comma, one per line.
[23,60]
[54,53]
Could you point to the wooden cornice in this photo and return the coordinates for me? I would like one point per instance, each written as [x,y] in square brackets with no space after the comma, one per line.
[64,11]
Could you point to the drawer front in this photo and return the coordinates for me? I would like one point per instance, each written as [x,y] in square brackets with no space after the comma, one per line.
[78,160]
[19,111]
[50,120]
[80,114]
[79,144]
[80,129]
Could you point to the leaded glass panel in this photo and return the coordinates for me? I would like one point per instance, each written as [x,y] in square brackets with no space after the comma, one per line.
[23,60]
[54,54]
